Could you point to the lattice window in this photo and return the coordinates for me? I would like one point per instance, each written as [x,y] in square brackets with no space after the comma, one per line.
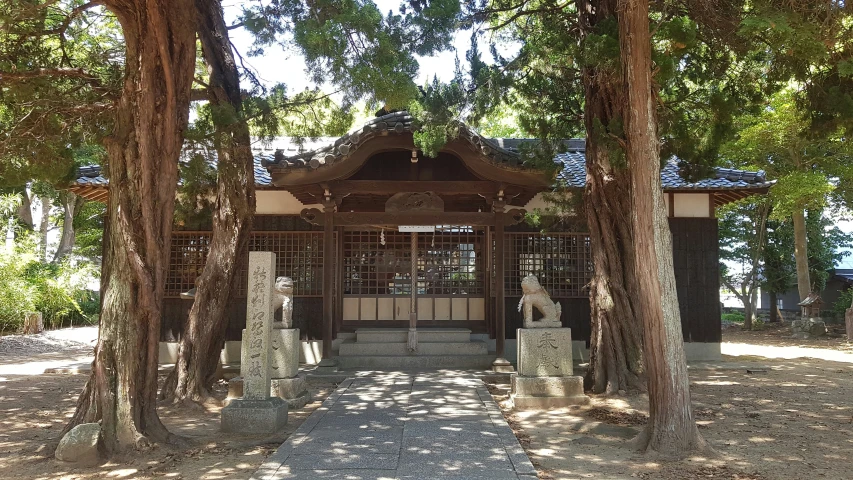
[371,268]
[453,262]
[299,255]
[186,260]
[449,262]
[561,261]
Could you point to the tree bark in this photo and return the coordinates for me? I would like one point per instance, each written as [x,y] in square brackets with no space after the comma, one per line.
[25,211]
[204,335]
[671,429]
[774,310]
[801,255]
[143,152]
[748,312]
[44,225]
[71,205]
[616,349]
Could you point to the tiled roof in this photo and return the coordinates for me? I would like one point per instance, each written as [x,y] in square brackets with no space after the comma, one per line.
[501,149]
[389,124]
[845,274]
[574,173]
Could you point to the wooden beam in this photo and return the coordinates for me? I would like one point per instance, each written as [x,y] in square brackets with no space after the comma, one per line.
[395,219]
[390,187]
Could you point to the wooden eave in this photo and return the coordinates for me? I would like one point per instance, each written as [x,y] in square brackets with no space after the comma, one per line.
[95,193]
[480,164]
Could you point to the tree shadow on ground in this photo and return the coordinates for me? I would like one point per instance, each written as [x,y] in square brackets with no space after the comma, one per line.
[791,419]
[35,408]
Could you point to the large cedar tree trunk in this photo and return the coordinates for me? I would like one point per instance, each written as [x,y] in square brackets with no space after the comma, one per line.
[671,429]
[143,152]
[71,205]
[204,335]
[801,255]
[616,350]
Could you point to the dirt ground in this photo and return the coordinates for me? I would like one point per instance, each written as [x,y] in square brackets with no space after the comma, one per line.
[771,417]
[34,409]
[766,418]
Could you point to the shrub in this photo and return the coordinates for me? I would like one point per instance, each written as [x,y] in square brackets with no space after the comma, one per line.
[734,317]
[55,290]
[839,308]
[16,294]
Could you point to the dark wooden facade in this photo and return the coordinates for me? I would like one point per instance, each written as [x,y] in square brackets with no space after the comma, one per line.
[695,258]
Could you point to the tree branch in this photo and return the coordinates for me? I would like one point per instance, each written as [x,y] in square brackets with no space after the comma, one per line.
[49,72]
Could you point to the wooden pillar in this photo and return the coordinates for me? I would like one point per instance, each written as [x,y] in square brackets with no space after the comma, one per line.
[488,254]
[500,364]
[339,281]
[328,279]
[412,343]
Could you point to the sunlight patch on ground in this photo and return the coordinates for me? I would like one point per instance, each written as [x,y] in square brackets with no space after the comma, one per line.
[714,382]
[122,472]
[790,352]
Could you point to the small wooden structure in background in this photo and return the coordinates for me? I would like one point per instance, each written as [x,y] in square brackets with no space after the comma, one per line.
[811,306]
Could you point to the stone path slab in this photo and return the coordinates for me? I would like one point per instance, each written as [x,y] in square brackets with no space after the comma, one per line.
[403,426]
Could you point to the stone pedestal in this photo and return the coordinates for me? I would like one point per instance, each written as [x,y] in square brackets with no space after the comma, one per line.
[254,416]
[502,365]
[545,370]
[808,328]
[293,391]
[284,357]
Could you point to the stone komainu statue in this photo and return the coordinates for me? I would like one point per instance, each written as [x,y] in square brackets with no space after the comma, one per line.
[536,296]
[283,299]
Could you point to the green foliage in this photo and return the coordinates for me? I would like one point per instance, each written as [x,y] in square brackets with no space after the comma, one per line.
[61,73]
[810,169]
[352,45]
[845,301]
[827,246]
[58,291]
[734,317]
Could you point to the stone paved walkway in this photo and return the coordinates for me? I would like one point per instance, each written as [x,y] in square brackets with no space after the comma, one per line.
[403,426]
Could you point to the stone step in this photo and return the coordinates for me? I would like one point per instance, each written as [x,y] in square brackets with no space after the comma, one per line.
[401,335]
[416,362]
[425,348]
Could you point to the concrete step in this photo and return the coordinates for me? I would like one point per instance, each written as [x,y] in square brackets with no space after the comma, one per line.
[425,348]
[416,362]
[401,335]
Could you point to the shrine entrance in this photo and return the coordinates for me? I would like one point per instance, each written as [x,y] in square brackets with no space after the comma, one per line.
[446,283]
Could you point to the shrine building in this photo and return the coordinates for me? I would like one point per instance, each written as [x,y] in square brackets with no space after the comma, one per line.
[345,215]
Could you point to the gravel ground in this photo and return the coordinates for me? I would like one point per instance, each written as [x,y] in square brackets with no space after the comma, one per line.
[66,339]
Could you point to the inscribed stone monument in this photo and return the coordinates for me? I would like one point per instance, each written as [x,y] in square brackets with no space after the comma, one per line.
[256,412]
[545,367]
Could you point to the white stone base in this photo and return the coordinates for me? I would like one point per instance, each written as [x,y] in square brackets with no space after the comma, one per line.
[542,393]
[254,416]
